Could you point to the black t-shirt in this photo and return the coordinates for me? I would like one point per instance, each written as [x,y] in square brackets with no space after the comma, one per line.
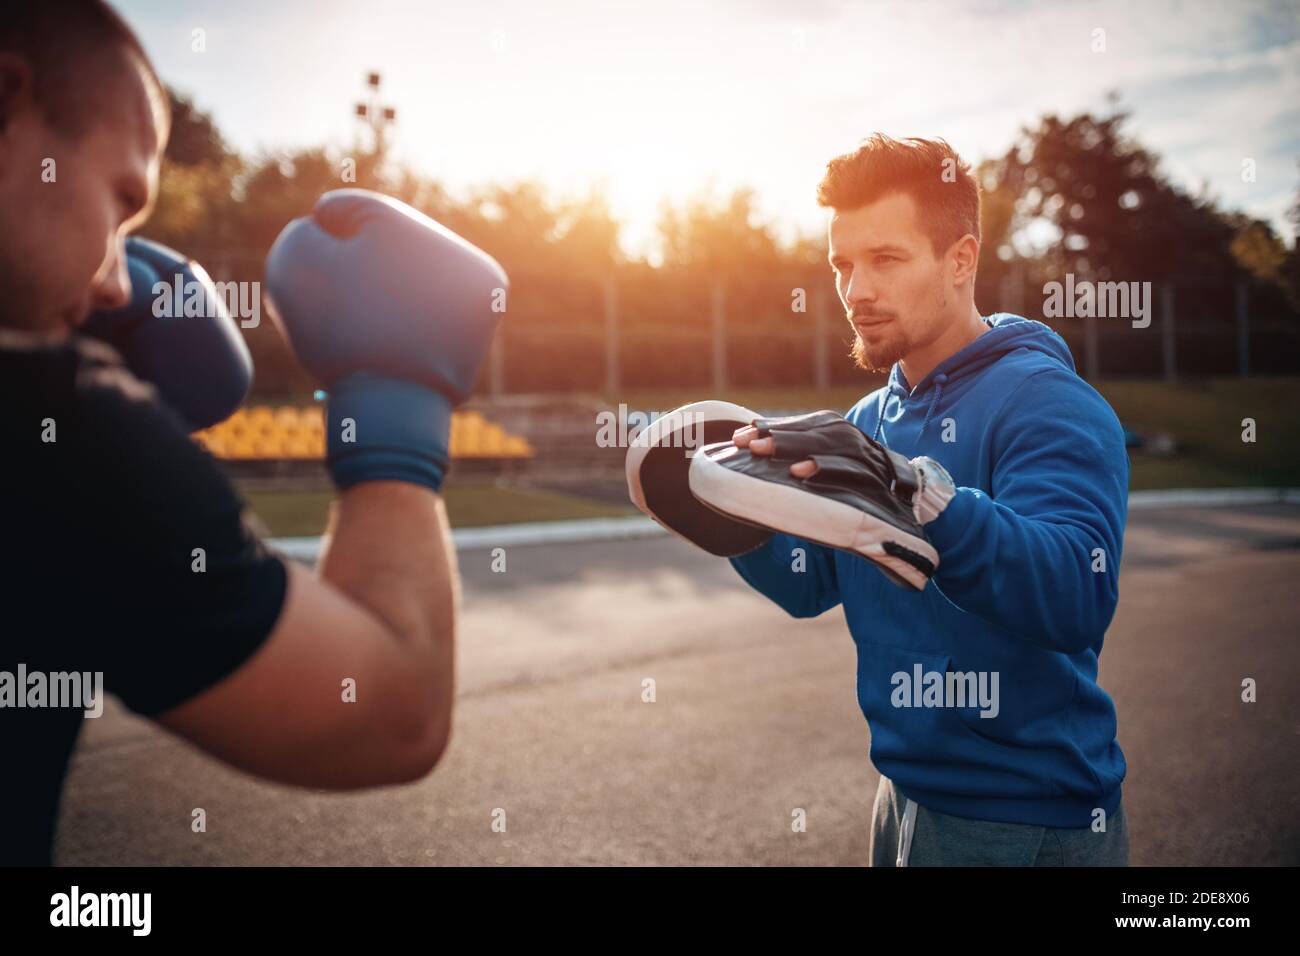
[98,570]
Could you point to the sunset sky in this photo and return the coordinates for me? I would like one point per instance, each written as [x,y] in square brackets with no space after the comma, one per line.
[672,98]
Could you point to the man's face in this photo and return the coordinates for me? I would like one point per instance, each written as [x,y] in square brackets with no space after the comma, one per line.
[63,224]
[892,286]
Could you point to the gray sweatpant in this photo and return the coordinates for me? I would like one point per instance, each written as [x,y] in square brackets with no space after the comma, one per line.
[903,833]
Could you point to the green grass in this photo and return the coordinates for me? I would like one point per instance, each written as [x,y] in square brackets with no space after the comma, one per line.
[1205,420]
[1204,417]
[298,513]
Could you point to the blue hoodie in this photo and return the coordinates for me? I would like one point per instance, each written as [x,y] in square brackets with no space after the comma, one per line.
[1028,579]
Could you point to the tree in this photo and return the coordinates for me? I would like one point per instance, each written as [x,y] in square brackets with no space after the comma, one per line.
[194,139]
[1258,249]
[1094,202]
[719,238]
[1289,271]
[196,205]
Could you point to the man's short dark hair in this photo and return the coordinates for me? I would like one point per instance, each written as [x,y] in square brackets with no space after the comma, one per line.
[930,171]
[74,47]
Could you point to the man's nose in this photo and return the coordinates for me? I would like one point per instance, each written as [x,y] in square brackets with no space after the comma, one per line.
[859,290]
[113,290]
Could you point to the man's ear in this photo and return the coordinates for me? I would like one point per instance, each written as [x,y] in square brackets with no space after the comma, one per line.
[965,253]
[16,88]
[17,98]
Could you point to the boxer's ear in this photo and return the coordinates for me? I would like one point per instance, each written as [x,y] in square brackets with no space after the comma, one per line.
[17,88]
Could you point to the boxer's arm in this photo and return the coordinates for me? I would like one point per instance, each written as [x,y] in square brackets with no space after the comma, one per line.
[204,631]
[204,634]
[354,685]
[393,314]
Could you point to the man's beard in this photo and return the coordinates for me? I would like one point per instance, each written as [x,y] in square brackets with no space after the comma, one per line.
[880,355]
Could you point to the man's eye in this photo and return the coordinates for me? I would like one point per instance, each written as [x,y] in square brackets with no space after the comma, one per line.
[883,259]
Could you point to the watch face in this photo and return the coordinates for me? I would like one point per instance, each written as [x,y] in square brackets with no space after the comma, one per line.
[935,470]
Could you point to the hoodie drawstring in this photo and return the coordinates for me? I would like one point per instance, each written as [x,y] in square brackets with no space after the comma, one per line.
[934,399]
[935,394]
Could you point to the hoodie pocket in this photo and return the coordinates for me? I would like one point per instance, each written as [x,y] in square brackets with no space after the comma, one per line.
[896,691]
[1021,706]
[926,732]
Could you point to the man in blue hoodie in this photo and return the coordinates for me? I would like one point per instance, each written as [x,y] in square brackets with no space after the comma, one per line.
[1027,770]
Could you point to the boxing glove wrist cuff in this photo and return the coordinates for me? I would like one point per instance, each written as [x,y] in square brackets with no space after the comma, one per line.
[387,429]
[935,489]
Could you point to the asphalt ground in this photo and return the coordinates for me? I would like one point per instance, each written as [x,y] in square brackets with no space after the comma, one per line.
[557,759]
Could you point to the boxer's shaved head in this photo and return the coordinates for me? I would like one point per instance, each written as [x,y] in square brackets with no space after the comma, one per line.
[79,53]
[83,124]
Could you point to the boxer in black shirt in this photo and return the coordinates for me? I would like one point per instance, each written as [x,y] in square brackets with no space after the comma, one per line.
[126,549]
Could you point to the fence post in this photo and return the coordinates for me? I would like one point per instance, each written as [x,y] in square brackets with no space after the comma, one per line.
[719,339]
[1091,348]
[1243,330]
[821,354]
[613,383]
[1168,341]
[497,363]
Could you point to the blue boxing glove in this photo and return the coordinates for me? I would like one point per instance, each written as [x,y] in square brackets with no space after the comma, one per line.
[393,314]
[190,350]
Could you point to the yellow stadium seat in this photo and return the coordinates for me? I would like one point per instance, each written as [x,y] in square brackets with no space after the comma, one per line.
[260,416]
[264,432]
[268,448]
[517,447]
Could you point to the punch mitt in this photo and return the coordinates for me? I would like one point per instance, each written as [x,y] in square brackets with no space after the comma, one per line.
[658,468]
[860,499]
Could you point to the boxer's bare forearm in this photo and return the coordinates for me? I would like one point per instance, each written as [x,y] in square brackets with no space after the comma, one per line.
[388,547]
